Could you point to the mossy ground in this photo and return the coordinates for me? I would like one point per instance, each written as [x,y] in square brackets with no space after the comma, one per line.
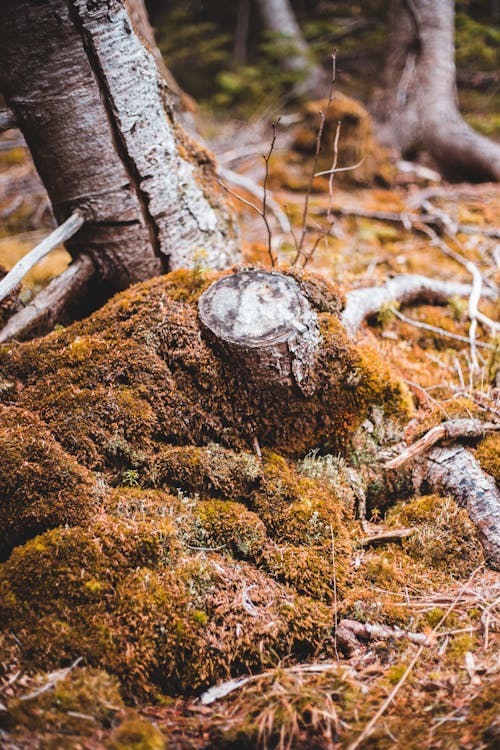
[157,555]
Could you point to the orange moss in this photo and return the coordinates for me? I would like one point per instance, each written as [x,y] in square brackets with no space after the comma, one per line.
[488,455]
[42,486]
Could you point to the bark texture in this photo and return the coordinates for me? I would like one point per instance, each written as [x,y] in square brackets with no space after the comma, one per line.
[419,108]
[265,323]
[88,99]
[454,471]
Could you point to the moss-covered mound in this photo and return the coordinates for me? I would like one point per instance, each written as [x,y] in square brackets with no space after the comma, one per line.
[157,555]
[139,374]
[41,485]
[357,148]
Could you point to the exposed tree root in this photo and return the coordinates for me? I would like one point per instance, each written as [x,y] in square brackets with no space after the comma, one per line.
[454,471]
[47,306]
[363,303]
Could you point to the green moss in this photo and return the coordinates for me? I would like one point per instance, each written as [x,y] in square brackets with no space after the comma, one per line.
[136,734]
[230,526]
[76,704]
[444,538]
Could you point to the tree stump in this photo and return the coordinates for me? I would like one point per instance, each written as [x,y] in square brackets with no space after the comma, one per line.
[262,321]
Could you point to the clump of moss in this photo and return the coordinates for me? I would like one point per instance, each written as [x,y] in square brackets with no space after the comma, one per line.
[488,455]
[42,486]
[305,570]
[228,525]
[211,470]
[77,704]
[444,536]
[356,144]
[136,734]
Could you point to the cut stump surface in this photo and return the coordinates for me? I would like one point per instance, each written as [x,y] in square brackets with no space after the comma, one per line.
[263,320]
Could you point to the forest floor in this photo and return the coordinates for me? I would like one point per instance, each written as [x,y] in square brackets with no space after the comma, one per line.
[427,674]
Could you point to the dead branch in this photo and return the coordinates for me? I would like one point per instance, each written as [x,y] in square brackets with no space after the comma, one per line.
[266,158]
[451,430]
[366,632]
[319,140]
[59,235]
[7,120]
[392,535]
[408,219]
[48,304]
[363,303]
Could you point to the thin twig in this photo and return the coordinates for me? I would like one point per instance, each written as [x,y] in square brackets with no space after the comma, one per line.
[335,608]
[435,329]
[243,181]
[264,200]
[319,138]
[19,271]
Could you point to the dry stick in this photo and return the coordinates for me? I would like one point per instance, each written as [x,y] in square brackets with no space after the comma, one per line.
[406,218]
[332,172]
[394,535]
[319,138]
[19,271]
[335,613]
[366,631]
[371,724]
[440,331]
[266,158]
[451,430]
[363,303]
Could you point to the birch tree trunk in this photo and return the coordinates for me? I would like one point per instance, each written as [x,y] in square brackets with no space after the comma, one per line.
[279,19]
[94,111]
[419,109]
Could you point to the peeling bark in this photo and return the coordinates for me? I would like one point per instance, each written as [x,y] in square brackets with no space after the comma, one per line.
[88,99]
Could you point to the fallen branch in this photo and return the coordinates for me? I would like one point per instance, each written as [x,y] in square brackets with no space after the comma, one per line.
[408,219]
[440,331]
[47,306]
[451,430]
[59,235]
[367,632]
[363,303]
[392,535]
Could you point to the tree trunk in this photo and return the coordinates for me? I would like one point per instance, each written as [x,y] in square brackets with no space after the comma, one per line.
[419,108]
[279,19]
[90,103]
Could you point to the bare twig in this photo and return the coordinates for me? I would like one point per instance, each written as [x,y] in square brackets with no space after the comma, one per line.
[319,138]
[439,331]
[450,430]
[19,271]
[368,632]
[266,158]
[243,181]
